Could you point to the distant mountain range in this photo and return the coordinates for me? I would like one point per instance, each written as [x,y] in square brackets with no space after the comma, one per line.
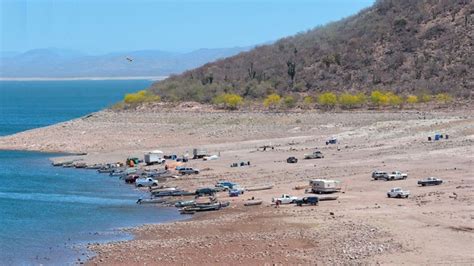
[57,63]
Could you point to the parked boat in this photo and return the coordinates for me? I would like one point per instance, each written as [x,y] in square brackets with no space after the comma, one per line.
[172,193]
[184,203]
[259,188]
[204,207]
[328,198]
[151,201]
[253,202]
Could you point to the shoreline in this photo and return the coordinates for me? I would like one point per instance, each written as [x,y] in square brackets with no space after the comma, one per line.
[153,78]
[371,227]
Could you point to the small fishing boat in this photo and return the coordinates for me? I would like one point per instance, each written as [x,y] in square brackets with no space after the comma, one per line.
[328,198]
[259,188]
[184,203]
[172,193]
[151,201]
[253,202]
[204,207]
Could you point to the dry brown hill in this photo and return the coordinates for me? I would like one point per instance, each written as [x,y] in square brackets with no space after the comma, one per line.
[406,46]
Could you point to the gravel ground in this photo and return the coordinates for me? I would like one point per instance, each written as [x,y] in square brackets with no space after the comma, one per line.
[433,226]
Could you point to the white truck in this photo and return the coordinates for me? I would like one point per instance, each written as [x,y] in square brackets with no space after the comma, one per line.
[398,193]
[285,199]
[146,182]
[154,157]
[397,175]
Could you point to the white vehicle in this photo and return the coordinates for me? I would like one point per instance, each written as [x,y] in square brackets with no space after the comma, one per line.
[210,158]
[398,193]
[397,175]
[154,157]
[146,182]
[285,199]
[324,186]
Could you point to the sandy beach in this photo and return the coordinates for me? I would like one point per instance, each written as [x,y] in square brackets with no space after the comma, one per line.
[433,226]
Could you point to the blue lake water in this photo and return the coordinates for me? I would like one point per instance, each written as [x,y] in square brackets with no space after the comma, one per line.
[48,214]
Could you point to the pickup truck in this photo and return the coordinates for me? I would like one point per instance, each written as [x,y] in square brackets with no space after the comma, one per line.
[146,182]
[314,155]
[397,175]
[430,181]
[398,193]
[285,199]
[226,185]
[188,171]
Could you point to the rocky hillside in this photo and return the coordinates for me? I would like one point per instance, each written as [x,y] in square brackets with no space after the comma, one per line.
[405,46]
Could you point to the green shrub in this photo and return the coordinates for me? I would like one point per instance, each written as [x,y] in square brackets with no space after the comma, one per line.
[361,98]
[308,100]
[289,101]
[347,100]
[272,100]
[394,99]
[327,100]
[141,97]
[425,98]
[379,98]
[412,99]
[443,98]
[229,100]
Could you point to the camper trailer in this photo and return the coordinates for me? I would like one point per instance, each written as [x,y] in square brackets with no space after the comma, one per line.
[154,157]
[324,186]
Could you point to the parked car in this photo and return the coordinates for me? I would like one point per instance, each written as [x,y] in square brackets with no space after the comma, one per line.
[210,158]
[146,182]
[179,167]
[285,199]
[292,159]
[226,185]
[307,200]
[188,171]
[237,189]
[206,191]
[376,175]
[331,141]
[397,175]
[398,193]
[430,181]
[314,155]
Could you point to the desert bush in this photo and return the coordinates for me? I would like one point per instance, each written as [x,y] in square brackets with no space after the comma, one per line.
[229,100]
[347,100]
[308,100]
[443,98]
[394,99]
[424,98]
[412,99]
[379,98]
[272,100]
[141,97]
[361,98]
[327,100]
[289,101]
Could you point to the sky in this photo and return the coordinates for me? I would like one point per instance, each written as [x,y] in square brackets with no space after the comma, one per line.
[104,26]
